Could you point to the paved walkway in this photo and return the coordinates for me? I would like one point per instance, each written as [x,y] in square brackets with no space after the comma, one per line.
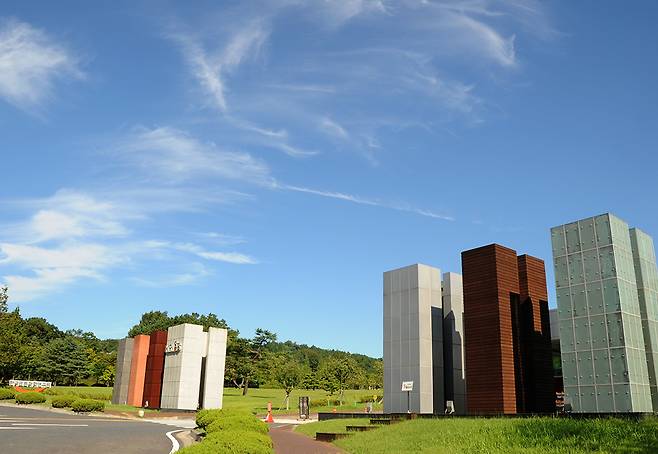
[288,442]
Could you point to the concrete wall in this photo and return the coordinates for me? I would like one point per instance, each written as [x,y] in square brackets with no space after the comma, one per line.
[214,370]
[122,376]
[453,335]
[182,372]
[409,295]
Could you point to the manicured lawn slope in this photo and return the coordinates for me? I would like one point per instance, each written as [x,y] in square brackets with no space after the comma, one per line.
[536,435]
[257,399]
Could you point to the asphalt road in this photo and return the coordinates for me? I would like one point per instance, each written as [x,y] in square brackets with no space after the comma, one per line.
[32,431]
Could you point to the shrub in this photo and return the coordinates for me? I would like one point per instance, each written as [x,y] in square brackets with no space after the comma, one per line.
[30,398]
[324,403]
[206,417]
[7,393]
[86,405]
[238,422]
[368,398]
[63,401]
[233,442]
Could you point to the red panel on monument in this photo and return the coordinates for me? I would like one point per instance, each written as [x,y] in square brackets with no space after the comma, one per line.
[137,370]
[154,369]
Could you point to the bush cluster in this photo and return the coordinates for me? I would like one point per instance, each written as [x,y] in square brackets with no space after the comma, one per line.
[64,401]
[368,398]
[87,405]
[6,393]
[324,403]
[231,431]
[30,398]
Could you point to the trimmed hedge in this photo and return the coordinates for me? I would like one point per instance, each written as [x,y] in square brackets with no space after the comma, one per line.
[231,431]
[229,423]
[206,417]
[6,394]
[63,401]
[233,442]
[87,405]
[30,398]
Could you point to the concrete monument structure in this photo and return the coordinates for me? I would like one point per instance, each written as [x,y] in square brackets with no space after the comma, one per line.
[194,367]
[122,375]
[422,340]
[607,297]
[181,368]
[507,330]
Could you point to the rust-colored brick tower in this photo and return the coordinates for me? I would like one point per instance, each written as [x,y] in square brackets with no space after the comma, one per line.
[506,332]
[154,369]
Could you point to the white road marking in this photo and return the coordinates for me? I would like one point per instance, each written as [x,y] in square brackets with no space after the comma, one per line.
[175,446]
[53,425]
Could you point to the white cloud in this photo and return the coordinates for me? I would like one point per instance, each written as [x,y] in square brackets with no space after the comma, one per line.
[50,269]
[176,156]
[211,70]
[333,129]
[30,63]
[69,214]
[195,249]
[371,202]
[483,39]
[229,257]
[195,272]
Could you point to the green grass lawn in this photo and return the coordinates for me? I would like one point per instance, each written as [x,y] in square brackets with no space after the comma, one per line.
[333,426]
[499,435]
[256,399]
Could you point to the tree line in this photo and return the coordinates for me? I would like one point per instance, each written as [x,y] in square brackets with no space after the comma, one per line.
[34,349]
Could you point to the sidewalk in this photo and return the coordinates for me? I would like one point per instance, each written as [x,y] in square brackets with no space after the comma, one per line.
[288,442]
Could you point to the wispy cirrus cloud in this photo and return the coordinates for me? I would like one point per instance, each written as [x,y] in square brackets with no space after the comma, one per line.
[179,156]
[75,236]
[371,202]
[397,65]
[212,69]
[31,61]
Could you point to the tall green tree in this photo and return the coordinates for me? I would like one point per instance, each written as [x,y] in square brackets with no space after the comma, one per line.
[287,374]
[4,297]
[340,371]
[65,361]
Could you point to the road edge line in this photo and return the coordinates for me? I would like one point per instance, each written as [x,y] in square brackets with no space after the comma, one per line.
[175,446]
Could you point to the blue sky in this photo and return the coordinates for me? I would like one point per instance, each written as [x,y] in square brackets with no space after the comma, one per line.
[268,160]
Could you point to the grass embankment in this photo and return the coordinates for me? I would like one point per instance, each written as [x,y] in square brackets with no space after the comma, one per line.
[498,435]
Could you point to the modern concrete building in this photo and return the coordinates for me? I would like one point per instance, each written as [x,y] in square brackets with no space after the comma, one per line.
[418,329]
[507,330]
[122,375]
[606,295]
[453,341]
[182,368]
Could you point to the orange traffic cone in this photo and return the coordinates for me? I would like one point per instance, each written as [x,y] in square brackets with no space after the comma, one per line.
[269,418]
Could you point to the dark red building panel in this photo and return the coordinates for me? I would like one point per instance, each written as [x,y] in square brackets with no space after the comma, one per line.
[503,297]
[154,369]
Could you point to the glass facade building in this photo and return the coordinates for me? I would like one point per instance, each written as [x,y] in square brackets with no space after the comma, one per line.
[607,298]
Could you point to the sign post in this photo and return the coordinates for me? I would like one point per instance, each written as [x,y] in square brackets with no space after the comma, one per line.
[408,386]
